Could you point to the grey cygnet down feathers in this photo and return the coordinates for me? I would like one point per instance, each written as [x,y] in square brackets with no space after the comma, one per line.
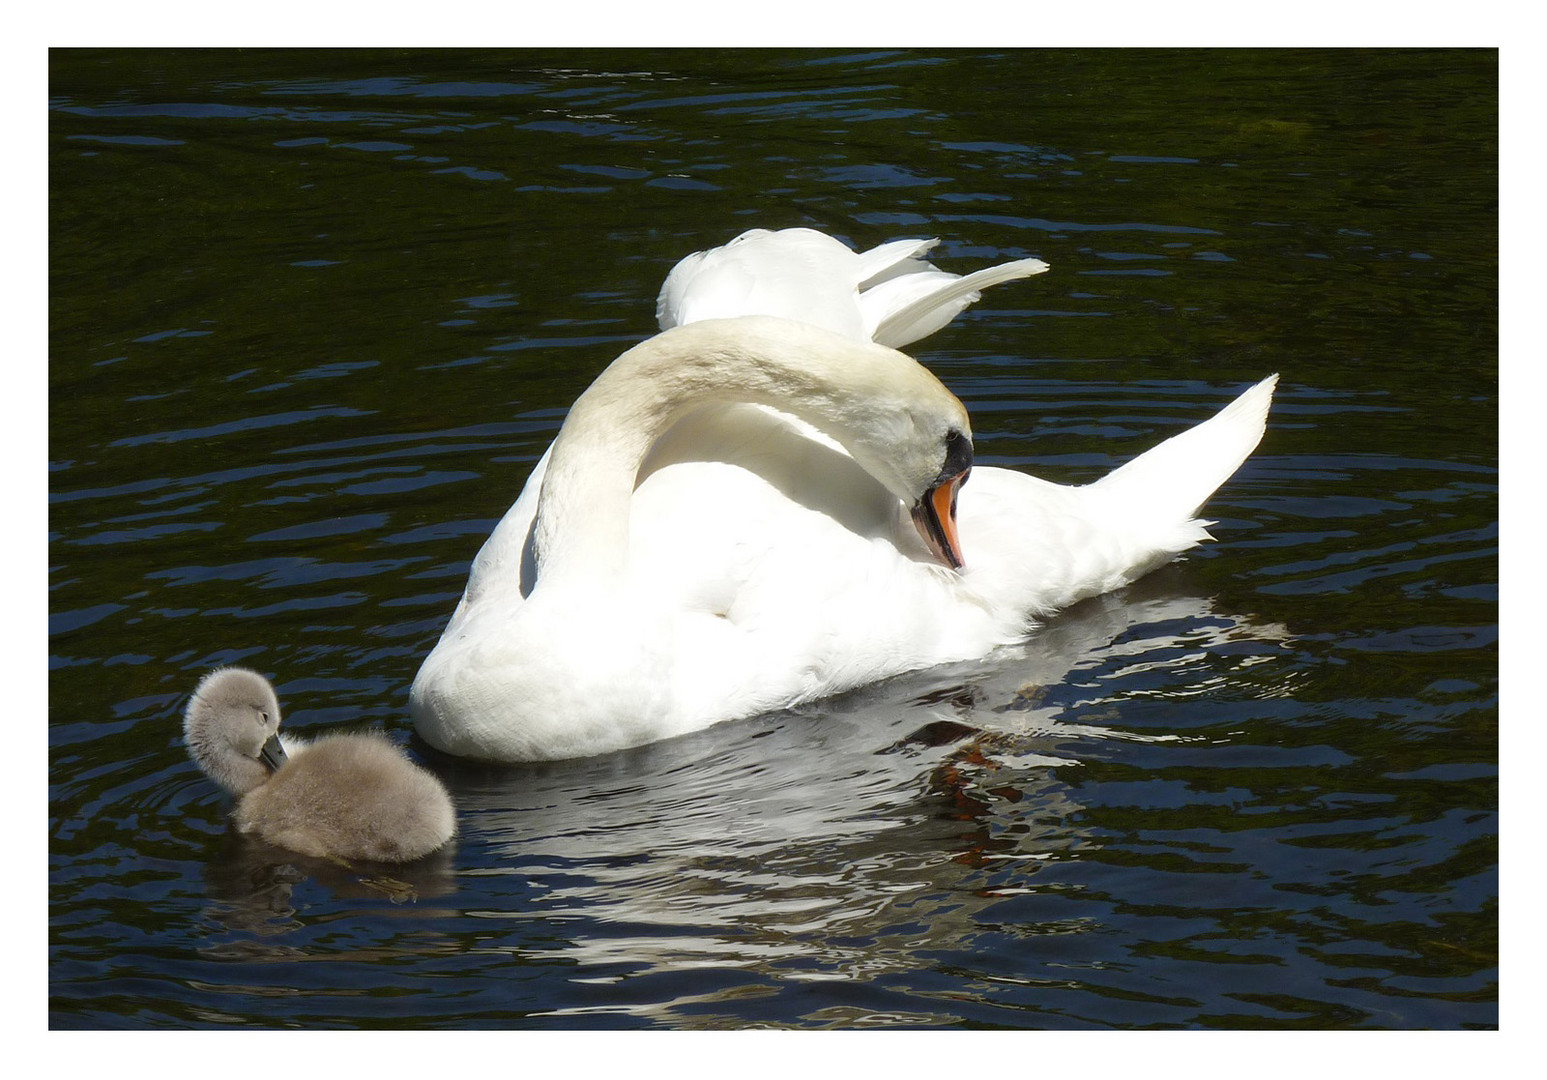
[346,796]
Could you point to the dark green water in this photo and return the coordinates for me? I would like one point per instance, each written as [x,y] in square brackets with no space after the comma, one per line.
[313,315]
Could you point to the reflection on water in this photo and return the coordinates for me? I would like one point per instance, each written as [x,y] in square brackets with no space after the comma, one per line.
[315,315]
[831,844]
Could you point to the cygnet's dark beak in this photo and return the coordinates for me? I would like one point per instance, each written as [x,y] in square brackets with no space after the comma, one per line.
[934,515]
[272,754]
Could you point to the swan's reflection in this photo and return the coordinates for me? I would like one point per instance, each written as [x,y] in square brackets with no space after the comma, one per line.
[842,838]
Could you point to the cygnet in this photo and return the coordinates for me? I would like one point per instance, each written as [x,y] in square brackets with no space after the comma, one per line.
[345,796]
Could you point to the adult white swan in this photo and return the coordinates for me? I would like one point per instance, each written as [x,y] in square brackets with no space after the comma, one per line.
[747,511]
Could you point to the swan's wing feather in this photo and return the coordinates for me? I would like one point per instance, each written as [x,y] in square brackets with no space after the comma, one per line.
[705,285]
[890,259]
[797,274]
[671,300]
[504,569]
[905,308]
[888,294]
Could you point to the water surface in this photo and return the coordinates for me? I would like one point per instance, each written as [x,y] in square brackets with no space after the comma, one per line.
[313,316]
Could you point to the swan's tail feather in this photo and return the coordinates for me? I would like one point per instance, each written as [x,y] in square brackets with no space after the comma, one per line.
[909,306]
[1173,480]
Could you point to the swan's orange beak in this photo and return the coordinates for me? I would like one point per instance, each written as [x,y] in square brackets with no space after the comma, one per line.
[935,518]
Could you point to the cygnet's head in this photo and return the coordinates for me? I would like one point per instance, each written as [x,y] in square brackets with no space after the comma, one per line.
[232,728]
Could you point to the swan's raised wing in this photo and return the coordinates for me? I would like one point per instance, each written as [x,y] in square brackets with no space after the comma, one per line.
[888,294]
[797,274]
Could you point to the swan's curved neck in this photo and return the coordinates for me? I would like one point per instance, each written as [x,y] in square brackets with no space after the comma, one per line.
[859,393]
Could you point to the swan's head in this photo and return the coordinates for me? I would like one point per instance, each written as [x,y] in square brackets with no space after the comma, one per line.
[934,512]
[909,432]
[232,728]
[912,435]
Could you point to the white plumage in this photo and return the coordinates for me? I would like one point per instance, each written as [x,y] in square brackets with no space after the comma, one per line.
[888,294]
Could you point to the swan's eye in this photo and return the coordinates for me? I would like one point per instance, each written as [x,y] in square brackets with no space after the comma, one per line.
[958,455]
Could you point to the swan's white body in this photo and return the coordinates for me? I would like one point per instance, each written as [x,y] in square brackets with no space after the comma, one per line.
[687,553]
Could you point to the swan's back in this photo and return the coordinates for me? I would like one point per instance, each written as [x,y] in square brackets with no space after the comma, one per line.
[351,796]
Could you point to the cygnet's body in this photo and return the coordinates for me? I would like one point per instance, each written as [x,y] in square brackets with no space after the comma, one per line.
[352,796]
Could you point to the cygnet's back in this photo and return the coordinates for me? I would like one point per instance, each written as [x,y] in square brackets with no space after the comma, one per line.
[350,796]
[353,796]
